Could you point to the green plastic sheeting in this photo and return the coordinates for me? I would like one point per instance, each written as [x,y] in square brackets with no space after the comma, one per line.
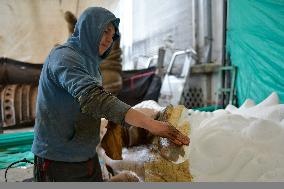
[14,139]
[15,147]
[208,108]
[255,43]
[7,158]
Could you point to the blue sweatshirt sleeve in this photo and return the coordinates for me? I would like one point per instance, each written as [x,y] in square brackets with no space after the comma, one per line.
[70,73]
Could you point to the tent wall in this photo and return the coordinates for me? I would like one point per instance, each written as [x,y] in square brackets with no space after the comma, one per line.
[255,43]
[30,28]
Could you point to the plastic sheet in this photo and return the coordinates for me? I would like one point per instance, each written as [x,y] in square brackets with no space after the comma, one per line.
[14,147]
[255,43]
[15,139]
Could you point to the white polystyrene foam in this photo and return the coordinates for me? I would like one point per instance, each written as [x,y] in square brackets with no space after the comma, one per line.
[238,144]
[149,104]
[231,144]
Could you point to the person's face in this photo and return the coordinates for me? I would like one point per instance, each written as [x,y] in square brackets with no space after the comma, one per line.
[106,40]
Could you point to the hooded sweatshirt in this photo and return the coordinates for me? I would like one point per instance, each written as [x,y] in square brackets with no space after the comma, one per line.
[71,100]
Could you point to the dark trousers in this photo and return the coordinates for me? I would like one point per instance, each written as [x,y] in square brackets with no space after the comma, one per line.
[56,171]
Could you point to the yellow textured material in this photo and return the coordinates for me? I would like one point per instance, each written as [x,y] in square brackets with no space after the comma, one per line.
[161,169]
[173,116]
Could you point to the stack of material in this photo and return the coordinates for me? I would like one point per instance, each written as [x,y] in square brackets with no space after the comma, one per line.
[150,162]
[17,103]
[168,155]
[234,144]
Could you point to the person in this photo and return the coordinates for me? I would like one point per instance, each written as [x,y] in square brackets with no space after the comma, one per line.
[71,102]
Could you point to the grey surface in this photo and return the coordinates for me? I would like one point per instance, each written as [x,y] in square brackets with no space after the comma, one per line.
[18,174]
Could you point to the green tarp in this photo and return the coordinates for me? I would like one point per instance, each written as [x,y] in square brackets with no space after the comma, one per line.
[14,147]
[255,43]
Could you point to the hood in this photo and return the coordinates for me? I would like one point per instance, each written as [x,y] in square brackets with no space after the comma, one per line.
[89,30]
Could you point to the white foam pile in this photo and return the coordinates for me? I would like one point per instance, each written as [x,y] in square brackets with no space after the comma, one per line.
[238,144]
[232,144]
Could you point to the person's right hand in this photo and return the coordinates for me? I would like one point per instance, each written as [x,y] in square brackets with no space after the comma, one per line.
[165,129]
[159,128]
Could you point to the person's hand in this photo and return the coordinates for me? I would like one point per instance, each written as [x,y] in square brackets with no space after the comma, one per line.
[165,129]
[159,128]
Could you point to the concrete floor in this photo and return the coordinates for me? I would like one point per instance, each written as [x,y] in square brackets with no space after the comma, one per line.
[17,174]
